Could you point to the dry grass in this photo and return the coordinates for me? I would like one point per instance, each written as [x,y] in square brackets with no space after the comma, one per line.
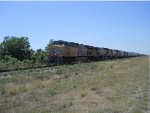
[118,86]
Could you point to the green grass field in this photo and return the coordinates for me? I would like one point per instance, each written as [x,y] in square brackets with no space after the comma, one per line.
[115,86]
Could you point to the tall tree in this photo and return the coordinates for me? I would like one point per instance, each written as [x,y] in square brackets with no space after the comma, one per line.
[16,47]
[49,45]
[41,55]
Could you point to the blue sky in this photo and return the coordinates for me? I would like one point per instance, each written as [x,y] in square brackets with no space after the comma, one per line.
[116,25]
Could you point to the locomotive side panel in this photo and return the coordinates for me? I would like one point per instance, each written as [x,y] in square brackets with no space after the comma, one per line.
[103,51]
[63,51]
[114,52]
[82,51]
[109,53]
[90,51]
[125,54]
[71,51]
[122,54]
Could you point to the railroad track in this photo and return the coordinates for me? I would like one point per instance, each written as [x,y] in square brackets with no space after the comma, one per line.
[9,70]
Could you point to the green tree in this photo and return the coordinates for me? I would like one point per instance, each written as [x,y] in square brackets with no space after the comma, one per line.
[41,56]
[33,57]
[47,48]
[49,45]
[16,47]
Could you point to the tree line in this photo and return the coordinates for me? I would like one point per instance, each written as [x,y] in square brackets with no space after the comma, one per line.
[16,53]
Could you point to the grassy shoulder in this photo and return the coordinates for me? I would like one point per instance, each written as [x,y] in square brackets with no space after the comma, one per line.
[115,86]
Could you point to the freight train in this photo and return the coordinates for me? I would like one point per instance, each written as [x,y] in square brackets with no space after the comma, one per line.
[63,52]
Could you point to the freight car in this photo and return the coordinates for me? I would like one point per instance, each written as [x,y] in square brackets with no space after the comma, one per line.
[62,52]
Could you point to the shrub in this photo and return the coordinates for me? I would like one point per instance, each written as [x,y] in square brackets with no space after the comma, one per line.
[93,88]
[10,89]
[52,92]
[83,95]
